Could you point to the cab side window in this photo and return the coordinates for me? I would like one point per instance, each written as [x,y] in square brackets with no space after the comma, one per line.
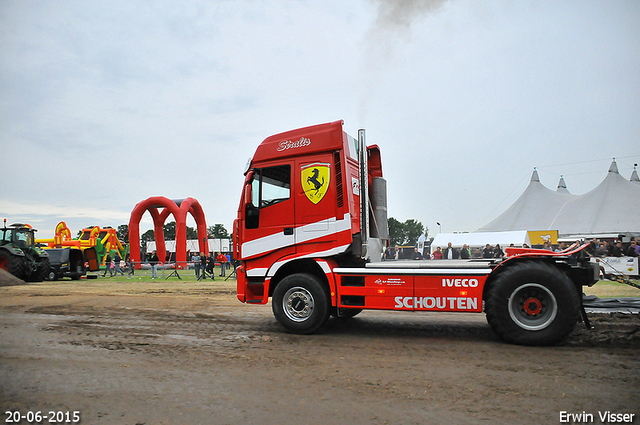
[269,186]
[276,185]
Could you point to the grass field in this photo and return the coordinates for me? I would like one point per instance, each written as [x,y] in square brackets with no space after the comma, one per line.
[169,275]
[609,289]
[602,289]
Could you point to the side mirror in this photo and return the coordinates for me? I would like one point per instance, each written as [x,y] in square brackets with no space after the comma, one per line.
[251,211]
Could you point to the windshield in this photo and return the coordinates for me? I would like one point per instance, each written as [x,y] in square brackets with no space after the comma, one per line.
[24,238]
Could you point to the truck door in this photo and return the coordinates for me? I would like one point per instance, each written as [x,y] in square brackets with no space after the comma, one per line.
[315,193]
[269,212]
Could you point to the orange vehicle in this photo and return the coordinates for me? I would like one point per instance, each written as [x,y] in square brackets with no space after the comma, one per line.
[312,227]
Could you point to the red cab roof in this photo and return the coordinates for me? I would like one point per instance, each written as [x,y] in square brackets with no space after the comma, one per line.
[302,141]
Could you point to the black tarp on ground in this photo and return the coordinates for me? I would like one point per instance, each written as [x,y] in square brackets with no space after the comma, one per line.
[593,304]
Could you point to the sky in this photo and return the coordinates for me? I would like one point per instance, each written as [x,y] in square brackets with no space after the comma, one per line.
[103,105]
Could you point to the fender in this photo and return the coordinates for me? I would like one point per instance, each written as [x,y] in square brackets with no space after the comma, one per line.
[316,256]
[518,254]
[326,265]
[41,253]
[513,253]
[13,250]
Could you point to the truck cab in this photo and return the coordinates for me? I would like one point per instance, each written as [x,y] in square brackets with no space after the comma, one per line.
[300,201]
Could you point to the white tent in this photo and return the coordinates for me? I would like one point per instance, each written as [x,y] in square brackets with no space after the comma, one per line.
[535,209]
[613,207]
[215,245]
[480,239]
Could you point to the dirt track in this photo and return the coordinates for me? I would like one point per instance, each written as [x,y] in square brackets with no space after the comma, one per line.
[167,352]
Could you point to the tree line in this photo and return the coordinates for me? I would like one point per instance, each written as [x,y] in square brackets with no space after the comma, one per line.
[400,233]
[217,231]
[406,233]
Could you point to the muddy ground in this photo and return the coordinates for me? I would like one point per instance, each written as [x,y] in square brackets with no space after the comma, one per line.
[171,352]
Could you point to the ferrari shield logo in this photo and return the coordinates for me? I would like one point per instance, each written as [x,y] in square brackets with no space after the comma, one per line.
[315,180]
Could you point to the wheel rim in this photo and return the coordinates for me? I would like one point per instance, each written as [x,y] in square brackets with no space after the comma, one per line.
[532,306]
[4,264]
[298,304]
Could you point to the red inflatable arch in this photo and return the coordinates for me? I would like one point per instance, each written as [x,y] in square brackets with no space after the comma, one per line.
[179,209]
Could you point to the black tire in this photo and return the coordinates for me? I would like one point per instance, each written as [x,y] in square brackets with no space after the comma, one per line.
[13,264]
[300,303]
[40,274]
[532,303]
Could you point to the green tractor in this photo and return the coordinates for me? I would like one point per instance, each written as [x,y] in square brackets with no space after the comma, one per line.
[19,254]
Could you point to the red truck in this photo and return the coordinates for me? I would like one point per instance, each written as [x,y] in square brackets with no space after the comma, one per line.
[312,228]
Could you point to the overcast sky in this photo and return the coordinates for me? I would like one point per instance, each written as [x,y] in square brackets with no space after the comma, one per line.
[104,104]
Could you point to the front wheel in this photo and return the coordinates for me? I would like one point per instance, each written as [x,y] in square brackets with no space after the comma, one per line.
[300,303]
[40,274]
[532,304]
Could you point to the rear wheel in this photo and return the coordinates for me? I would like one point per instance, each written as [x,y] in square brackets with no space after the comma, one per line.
[300,303]
[532,303]
[12,264]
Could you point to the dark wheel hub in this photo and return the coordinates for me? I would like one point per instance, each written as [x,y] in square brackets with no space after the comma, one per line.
[298,304]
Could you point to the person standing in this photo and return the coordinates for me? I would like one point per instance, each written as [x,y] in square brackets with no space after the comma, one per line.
[390,254]
[153,261]
[465,254]
[197,264]
[487,252]
[593,245]
[209,264]
[203,265]
[450,253]
[131,264]
[616,250]
[601,251]
[497,252]
[116,263]
[222,259]
[107,266]
[562,246]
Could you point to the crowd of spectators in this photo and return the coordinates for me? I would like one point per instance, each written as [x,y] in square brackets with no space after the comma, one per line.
[616,249]
[596,248]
